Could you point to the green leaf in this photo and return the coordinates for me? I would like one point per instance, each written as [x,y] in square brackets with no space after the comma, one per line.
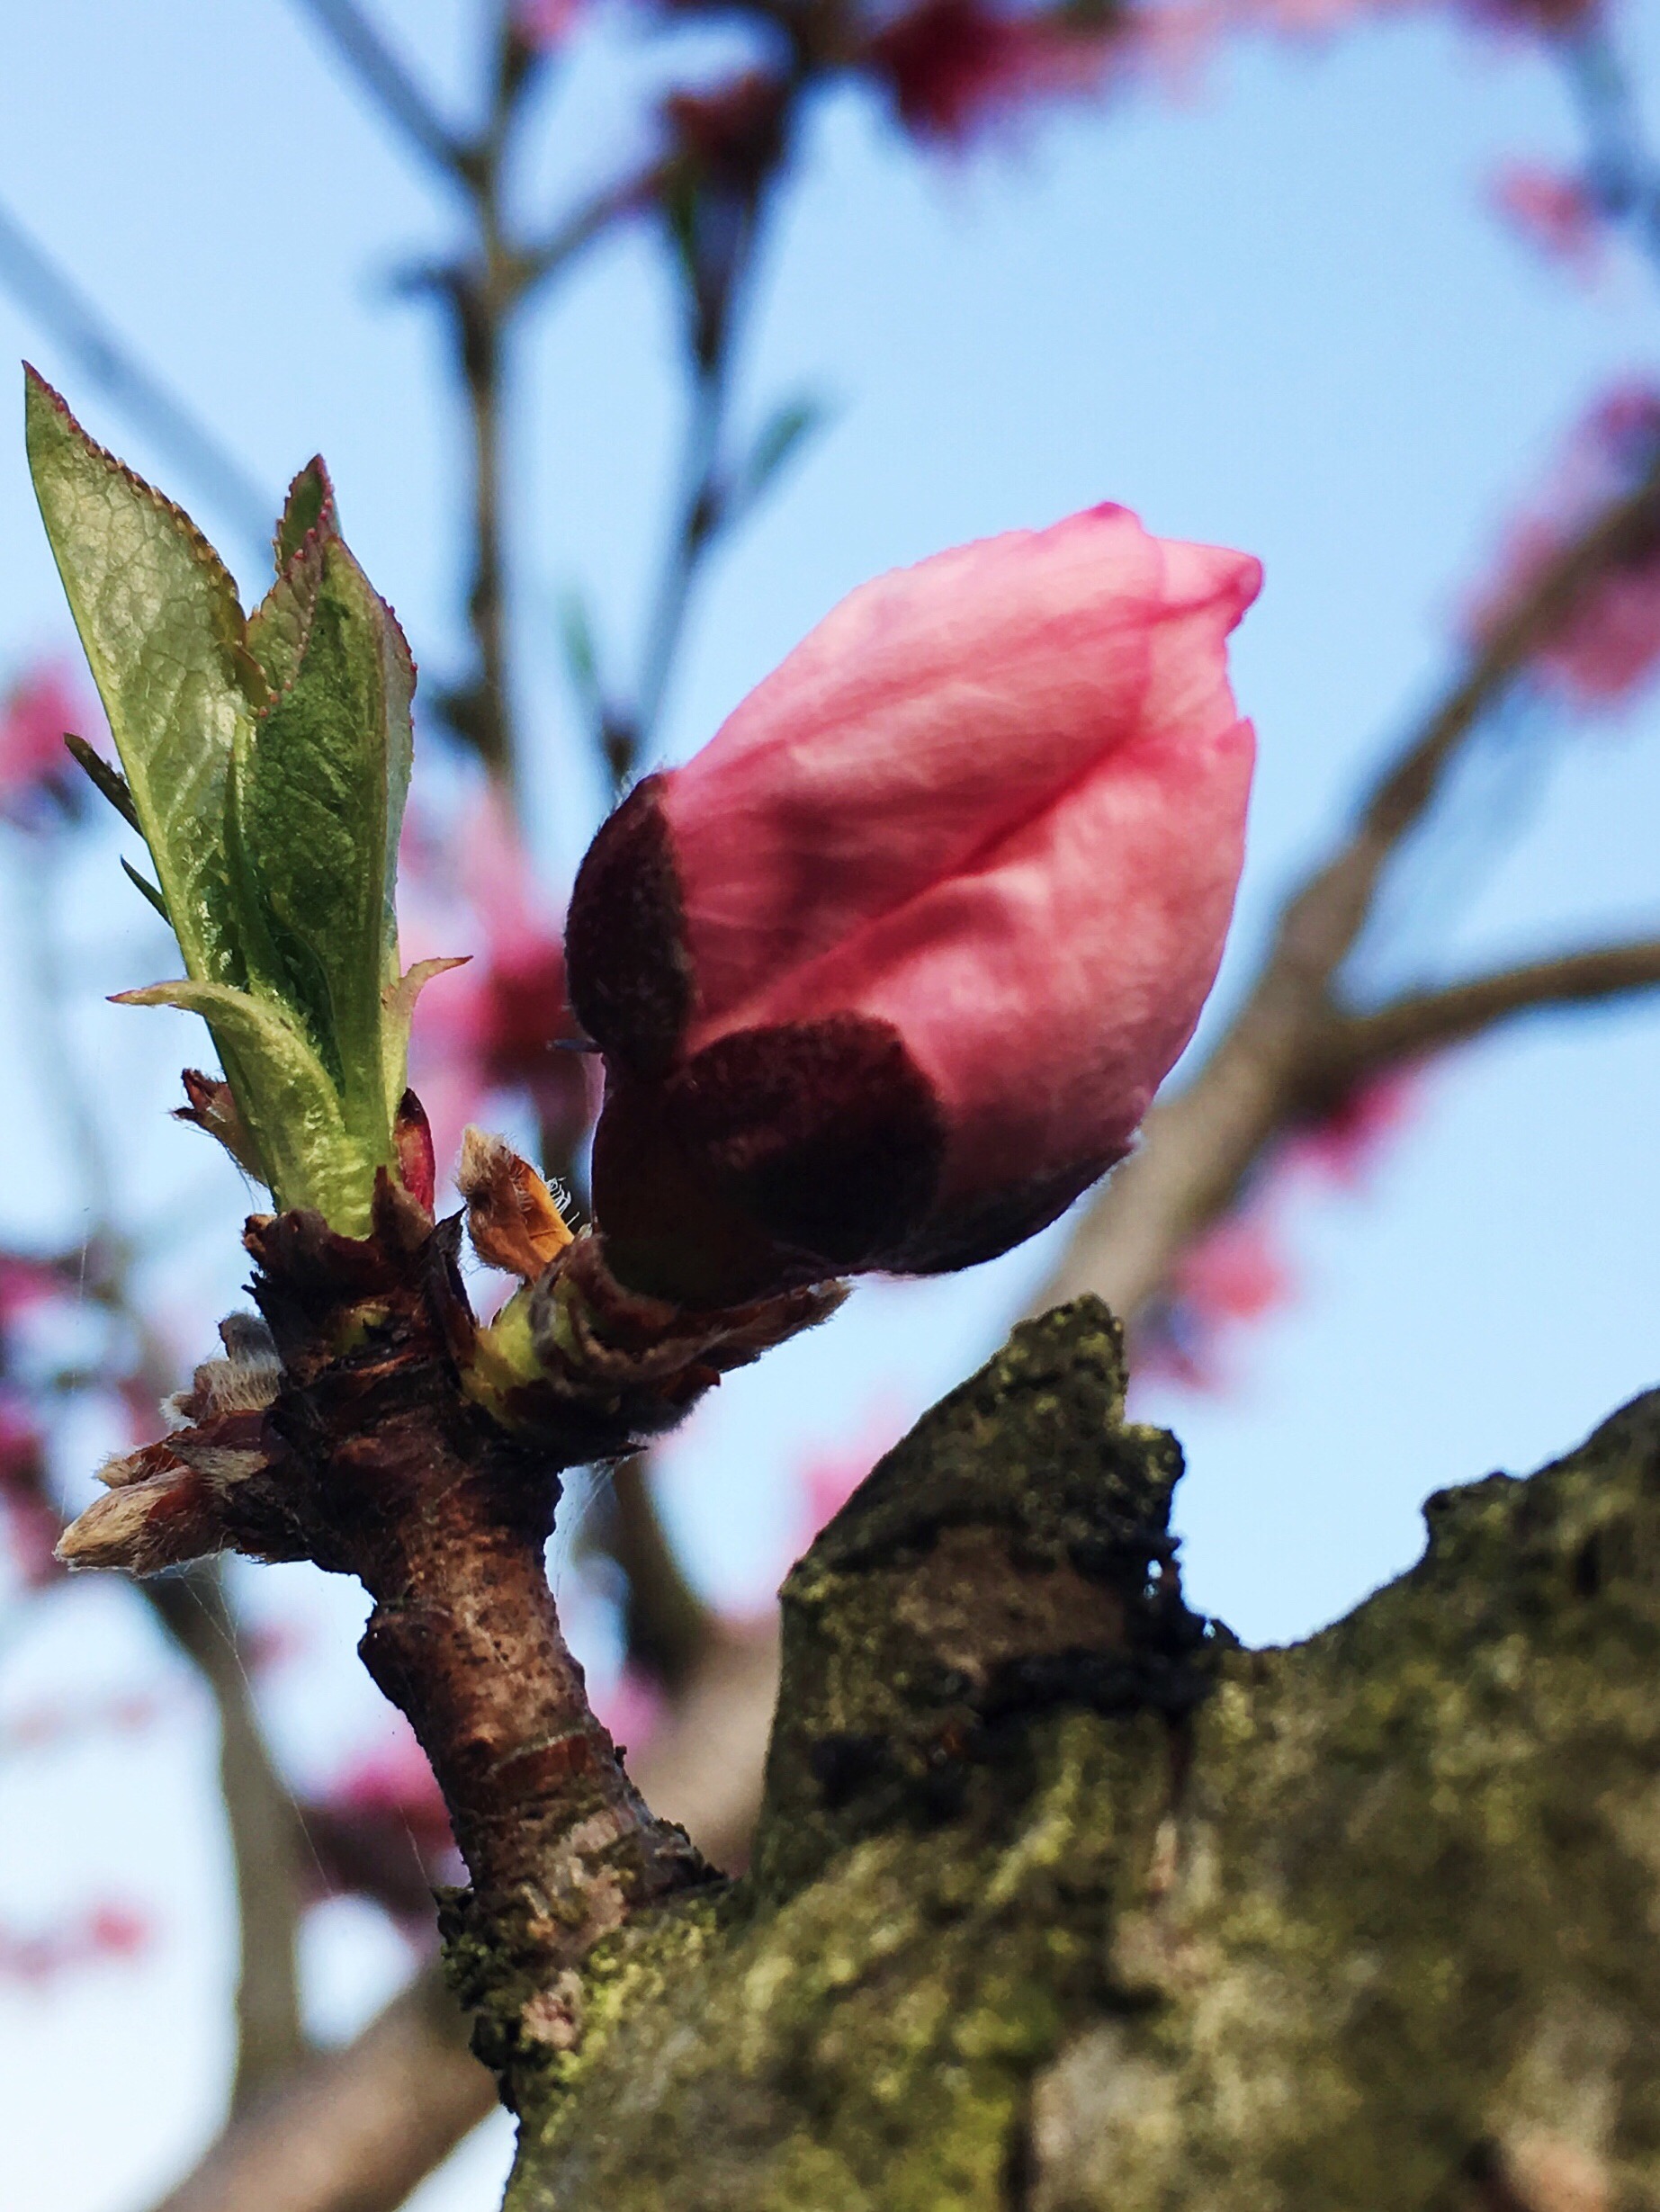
[284,1095]
[781,437]
[143,884]
[398,1000]
[576,635]
[279,626]
[164,634]
[318,795]
[309,505]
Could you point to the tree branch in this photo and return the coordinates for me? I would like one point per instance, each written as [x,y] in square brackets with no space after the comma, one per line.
[482,294]
[666,1624]
[1620,170]
[715,302]
[1198,1148]
[38,284]
[389,86]
[1363,1044]
[535,265]
[357,2128]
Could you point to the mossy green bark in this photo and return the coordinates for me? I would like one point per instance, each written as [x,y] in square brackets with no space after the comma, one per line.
[1060,1904]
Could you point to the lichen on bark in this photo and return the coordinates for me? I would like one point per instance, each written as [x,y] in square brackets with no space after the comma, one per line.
[1060,1902]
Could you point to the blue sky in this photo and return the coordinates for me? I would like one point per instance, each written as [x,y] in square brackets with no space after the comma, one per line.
[1271,310]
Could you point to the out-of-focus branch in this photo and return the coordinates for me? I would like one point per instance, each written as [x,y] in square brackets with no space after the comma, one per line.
[356,2128]
[704,1763]
[482,293]
[1619,171]
[266,1836]
[1198,1149]
[745,159]
[39,285]
[535,265]
[666,1624]
[1429,1021]
[389,86]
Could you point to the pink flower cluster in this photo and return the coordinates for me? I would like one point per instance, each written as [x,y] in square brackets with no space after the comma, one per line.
[1608,647]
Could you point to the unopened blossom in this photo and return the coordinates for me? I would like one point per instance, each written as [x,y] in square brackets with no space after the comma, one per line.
[889,973]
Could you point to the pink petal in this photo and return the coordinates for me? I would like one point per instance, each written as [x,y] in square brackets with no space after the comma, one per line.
[1046,993]
[933,712]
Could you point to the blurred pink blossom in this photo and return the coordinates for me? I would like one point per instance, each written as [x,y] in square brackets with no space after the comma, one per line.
[1345,1144]
[1526,18]
[544,24]
[43,1726]
[25,1285]
[631,1707]
[33,1520]
[35,712]
[382,1831]
[1555,214]
[828,1478]
[1233,1273]
[1608,647]
[107,1933]
[953,67]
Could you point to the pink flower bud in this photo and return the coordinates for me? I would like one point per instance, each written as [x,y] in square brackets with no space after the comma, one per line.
[890,972]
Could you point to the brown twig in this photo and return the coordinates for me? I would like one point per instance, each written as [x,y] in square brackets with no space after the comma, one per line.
[482,293]
[373,1460]
[715,285]
[535,263]
[1198,1148]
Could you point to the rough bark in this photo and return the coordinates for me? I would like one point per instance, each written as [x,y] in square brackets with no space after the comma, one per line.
[1063,1902]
